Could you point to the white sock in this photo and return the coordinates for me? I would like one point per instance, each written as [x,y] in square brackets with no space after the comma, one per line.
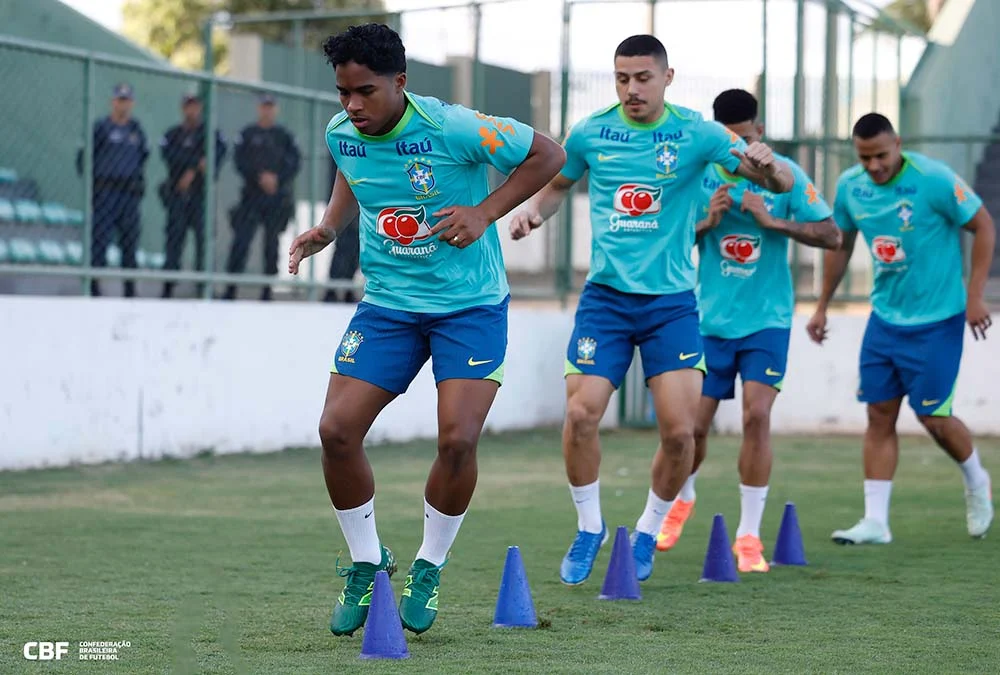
[358,525]
[687,492]
[973,473]
[877,494]
[587,500]
[752,501]
[439,534]
[652,517]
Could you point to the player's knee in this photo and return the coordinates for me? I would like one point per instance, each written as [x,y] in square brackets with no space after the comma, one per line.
[582,420]
[456,450]
[937,427]
[701,433]
[336,437]
[677,439]
[756,418]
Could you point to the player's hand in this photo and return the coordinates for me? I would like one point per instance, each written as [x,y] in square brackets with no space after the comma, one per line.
[522,223]
[817,327]
[754,203]
[306,244]
[719,204]
[184,182]
[758,158]
[461,225]
[978,316]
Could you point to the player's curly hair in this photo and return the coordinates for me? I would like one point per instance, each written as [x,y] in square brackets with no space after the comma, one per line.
[373,45]
[735,106]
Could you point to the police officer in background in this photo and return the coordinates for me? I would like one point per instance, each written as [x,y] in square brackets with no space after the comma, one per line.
[120,154]
[183,193]
[268,160]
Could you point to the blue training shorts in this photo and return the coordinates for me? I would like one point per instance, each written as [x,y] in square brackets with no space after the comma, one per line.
[388,347]
[611,324]
[920,362]
[758,357]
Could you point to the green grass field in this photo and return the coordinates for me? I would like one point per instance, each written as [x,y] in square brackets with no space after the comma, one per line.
[226,565]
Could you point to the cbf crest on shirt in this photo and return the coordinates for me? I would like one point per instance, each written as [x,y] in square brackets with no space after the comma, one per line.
[745,282]
[641,186]
[912,228]
[435,157]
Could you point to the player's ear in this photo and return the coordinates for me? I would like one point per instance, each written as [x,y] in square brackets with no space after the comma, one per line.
[760,129]
[400,81]
[670,76]
[899,143]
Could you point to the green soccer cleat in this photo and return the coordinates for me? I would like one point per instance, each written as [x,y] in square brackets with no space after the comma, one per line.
[351,609]
[418,604]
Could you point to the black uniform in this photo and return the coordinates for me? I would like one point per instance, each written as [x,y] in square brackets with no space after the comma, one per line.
[346,254]
[258,150]
[120,154]
[183,149]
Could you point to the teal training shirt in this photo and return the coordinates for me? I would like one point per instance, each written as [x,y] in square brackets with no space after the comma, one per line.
[643,184]
[435,157]
[912,227]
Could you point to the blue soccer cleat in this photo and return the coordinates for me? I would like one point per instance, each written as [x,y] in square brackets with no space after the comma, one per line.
[579,560]
[643,548]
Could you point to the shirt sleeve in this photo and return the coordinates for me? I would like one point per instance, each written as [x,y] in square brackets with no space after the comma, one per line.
[576,152]
[717,142]
[501,142]
[841,214]
[807,204]
[952,196]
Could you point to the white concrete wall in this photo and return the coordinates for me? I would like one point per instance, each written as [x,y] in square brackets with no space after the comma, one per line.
[93,380]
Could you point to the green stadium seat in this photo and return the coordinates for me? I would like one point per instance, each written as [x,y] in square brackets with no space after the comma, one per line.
[27,211]
[54,213]
[114,256]
[7,175]
[156,260]
[23,251]
[51,252]
[74,253]
[7,212]
[4,251]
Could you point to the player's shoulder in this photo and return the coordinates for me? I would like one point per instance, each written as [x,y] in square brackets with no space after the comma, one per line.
[601,116]
[927,167]
[851,175]
[686,116]
[435,112]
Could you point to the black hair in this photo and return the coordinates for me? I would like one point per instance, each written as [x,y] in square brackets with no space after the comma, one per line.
[735,106]
[871,125]
[373,45]
[643,45]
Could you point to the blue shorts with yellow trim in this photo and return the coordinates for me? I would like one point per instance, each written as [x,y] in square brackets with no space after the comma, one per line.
[610,324]
[758,357]
[388,347]
[920,362]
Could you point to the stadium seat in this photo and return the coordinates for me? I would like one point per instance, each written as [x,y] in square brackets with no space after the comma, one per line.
[27,211]
[156,260]
[20,189]
[74,253]
[54,213]
[74,217]
[51,252]
[7,212]
[114,256]
[23,251]
[7,175]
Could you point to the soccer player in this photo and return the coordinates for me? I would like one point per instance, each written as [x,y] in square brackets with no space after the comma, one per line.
[436,287]
[747,300]
[911,210]
[646,160]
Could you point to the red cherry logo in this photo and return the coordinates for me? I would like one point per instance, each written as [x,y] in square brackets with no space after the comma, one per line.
[407,226]
[744,250]
[641,202]
[627,197]
[389,224]
[731,248]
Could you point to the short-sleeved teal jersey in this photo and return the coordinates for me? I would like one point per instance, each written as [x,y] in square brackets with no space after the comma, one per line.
[435,157]
[912,227]
[643,182]
[745,283]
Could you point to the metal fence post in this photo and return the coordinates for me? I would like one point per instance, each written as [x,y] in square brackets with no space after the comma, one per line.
[311,175]
[88,172]
[210,121]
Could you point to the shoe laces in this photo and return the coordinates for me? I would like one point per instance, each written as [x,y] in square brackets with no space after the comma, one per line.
[583,545]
